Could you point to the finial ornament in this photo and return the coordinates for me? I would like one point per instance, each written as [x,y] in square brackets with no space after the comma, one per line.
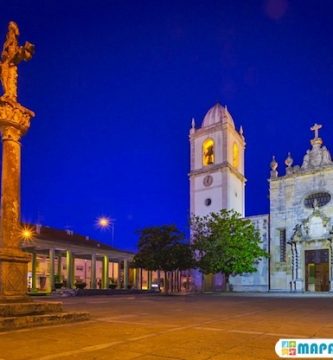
[193,123]
[12,54]
[316,140]
[274,163]
[289,160]
[274,166]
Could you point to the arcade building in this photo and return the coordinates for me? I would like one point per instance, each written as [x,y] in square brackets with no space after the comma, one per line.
[64,259]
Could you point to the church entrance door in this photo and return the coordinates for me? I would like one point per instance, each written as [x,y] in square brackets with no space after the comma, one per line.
[317,270]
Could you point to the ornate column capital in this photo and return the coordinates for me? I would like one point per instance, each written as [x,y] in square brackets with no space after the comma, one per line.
[14,115]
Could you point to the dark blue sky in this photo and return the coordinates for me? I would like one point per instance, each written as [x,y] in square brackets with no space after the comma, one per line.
[114,85]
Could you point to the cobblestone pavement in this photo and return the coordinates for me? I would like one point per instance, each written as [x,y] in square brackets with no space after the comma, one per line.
[192,327]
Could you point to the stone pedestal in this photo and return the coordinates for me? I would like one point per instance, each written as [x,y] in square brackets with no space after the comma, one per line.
[13,275]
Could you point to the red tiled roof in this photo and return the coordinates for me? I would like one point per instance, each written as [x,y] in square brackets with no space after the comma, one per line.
[66,236]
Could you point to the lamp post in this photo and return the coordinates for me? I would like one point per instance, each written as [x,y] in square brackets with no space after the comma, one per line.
[105,223]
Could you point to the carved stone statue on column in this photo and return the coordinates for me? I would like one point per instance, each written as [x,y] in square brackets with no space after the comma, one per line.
[14,122]
[12,54]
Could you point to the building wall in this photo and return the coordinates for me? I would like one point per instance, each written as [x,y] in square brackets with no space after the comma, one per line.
[287,210]
[200,193]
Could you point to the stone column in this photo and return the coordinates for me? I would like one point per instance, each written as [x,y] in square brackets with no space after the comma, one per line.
[73,270]
[33,271]
[139,274]
[93,271]
[159,279]
[119,275]
[105,275]
[331,266]
[330,254]
[149,279]
[125,274]
[112,270]
[135,278]
[298,264]
[59,268]
[14,122]
[13,261]
[51,272]
[292,287]
[69,268]
[141,278]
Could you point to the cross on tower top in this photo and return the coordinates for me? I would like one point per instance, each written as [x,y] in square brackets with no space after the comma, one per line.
[315,128]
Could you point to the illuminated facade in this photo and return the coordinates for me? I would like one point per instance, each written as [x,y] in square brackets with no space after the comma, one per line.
[298,231]
[301,212]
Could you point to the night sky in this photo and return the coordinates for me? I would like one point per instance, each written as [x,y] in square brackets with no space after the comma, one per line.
[115,84]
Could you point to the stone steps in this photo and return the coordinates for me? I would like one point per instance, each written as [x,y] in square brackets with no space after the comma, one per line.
[29,308]
[27,321]
[26,314]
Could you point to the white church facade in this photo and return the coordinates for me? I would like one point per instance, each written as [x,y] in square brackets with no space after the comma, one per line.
[297,233]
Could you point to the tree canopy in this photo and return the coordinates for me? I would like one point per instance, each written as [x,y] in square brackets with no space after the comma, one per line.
[227,243]
[163,248]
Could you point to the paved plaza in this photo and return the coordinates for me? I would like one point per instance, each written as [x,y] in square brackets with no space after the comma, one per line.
[195,327]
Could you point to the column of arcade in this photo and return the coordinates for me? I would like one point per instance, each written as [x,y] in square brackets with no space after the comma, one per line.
[55,271]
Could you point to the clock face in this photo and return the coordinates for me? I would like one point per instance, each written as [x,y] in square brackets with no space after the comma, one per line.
[208,180]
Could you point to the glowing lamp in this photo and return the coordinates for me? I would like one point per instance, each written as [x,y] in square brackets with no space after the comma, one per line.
[103,222]
[27,233]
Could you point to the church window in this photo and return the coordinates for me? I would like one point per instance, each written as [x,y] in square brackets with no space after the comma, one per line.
[208,202]
[208,156]
[283,245]
[321,199]
[235,155]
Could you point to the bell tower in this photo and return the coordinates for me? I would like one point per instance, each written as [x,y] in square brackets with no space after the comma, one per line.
[217,164]
[217,174]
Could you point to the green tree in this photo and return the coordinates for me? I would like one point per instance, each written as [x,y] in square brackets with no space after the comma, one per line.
[163,248]
[227,243]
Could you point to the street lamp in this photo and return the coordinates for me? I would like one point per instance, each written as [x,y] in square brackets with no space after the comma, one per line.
[27,234]
[105,223]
